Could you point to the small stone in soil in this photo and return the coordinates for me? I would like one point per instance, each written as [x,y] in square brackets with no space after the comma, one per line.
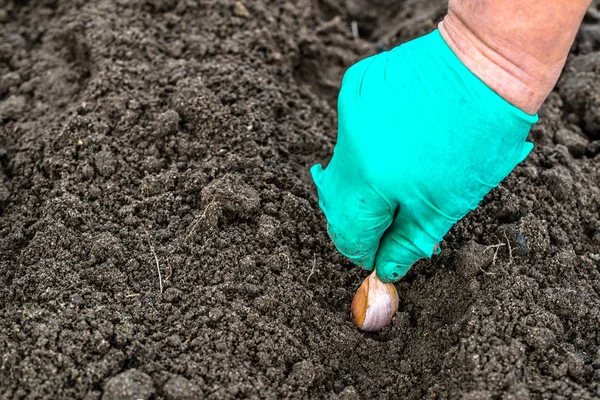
[240,10]
[129,385]
[179,388]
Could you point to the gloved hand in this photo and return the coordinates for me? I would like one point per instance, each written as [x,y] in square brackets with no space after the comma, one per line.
[421,141]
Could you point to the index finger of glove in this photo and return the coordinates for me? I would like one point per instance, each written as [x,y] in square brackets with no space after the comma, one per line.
[357,217]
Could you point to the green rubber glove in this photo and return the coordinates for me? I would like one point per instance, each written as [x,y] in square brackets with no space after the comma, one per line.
[421,141]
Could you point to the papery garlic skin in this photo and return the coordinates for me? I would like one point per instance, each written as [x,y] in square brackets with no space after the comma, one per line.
[374,304]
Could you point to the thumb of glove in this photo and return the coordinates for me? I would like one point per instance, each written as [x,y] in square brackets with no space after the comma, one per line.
[403,244]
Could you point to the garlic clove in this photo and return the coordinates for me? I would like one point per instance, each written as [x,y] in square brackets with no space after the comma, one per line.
[374,304]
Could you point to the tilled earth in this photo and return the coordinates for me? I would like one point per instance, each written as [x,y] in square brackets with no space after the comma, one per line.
[160,236]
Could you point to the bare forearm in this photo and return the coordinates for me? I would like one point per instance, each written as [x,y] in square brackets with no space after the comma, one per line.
[518,48]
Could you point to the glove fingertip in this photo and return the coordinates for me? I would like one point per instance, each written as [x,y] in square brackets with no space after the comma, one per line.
[527,147]
[390,272]
[366,262]
[395,257]
[316,172]
[354,249]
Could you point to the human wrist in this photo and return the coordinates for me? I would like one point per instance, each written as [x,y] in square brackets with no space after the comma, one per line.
[520,78]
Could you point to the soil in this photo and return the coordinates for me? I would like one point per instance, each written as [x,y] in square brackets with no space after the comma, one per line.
[140,137]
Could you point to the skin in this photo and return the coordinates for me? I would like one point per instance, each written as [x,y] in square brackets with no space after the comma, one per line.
[518,48]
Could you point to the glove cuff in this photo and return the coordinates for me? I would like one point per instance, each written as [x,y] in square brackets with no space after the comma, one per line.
[439,45]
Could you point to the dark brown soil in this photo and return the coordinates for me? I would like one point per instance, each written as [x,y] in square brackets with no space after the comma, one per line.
[180,132]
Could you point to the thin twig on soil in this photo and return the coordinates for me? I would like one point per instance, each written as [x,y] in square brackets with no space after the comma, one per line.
[497,247]
[486,272]
[132,295]
[197,221]
[170,271]
[354,27]
[312,271]
[156,259]
[329,24]
[284,255]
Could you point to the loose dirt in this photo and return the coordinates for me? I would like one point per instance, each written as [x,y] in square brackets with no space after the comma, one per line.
[139,136]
